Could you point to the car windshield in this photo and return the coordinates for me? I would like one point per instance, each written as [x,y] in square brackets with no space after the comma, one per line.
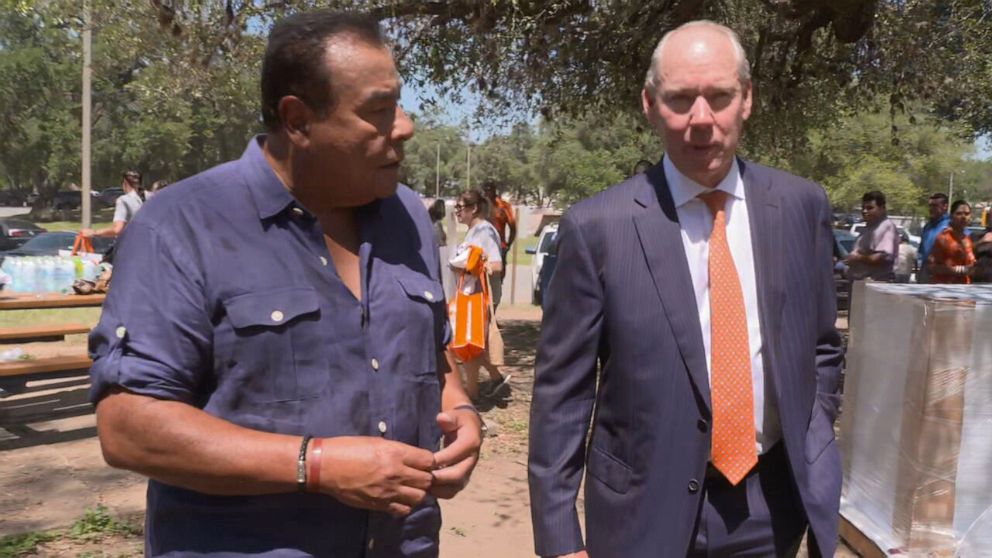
[61,241]
[547,242]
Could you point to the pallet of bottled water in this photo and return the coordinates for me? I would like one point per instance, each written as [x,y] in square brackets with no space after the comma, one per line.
[47,274]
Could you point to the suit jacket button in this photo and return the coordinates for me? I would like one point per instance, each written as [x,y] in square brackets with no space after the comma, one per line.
[693,486]
[703,426]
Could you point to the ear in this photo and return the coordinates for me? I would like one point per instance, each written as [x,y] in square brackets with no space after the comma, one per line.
[296,117]
[647,103]
[746,98]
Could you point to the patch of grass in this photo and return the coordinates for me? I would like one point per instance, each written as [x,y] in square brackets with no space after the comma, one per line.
[72,226]
[24,544]
[14,318]
[97,522]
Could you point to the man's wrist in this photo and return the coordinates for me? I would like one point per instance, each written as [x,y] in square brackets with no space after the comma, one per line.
[472,408]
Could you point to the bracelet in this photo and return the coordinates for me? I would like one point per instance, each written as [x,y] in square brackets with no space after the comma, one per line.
[313,479]
[301,465]
[470,407]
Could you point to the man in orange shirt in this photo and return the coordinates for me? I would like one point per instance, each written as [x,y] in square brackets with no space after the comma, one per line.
[501,216]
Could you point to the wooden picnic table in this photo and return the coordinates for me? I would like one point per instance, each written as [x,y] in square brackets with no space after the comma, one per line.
[39,301]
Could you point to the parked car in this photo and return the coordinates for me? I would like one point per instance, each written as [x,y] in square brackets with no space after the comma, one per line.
[904,235]
[67,199]
[109,196]
[843,244]
[15,232]
[546,243]
[49,244]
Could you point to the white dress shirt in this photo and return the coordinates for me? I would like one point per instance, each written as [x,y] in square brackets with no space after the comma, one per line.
[697,223]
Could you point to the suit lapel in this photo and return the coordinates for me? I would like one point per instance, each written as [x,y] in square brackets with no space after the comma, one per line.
[660,237]
[764,208]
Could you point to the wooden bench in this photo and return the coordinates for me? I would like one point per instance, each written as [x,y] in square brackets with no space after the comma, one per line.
[29,301]
[45,366]
[40,333]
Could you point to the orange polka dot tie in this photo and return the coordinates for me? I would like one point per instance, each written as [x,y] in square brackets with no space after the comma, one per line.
[734,451]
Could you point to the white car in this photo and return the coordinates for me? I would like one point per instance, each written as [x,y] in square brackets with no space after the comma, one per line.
[544,244]
[904,235]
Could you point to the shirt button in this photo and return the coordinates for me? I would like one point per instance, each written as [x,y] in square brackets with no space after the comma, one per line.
[375,364]
[323,261]
[276,316]
[371,544]
[429,296]
[298,212]
[120,332]
[693,486]
[382,427]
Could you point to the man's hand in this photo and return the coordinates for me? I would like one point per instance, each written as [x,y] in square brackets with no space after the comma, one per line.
[462,430]
[376,474]
[86,233]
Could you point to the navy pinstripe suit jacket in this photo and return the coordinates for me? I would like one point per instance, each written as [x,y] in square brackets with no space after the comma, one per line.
[622,296]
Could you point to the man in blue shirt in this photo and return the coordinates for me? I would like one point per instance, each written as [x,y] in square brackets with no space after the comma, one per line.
[293,293]
[939,220]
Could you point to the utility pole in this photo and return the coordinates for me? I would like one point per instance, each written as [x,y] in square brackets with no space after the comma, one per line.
[468,178]
[437,173]
[87,104]
[950,188]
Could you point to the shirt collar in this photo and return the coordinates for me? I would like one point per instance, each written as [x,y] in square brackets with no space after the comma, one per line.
[684,189]
[270,195]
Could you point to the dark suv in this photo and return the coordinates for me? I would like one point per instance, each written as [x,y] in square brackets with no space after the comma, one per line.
[67,199]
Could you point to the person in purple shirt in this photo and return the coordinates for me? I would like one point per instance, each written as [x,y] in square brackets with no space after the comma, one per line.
[272,355]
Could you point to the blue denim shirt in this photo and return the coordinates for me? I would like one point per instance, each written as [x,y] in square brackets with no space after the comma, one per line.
[224,297]
[929,236]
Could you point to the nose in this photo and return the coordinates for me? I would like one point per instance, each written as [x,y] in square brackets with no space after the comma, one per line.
[403,126]
[701,114]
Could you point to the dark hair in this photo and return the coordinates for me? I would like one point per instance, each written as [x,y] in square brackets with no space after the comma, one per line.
[957,204]
[133,178]
[939,196]
[477,199]
[295,62]
[436,210]
[642,166]
[874,196]
[490,184]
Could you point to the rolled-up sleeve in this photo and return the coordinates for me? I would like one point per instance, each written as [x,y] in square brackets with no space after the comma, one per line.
[154,336]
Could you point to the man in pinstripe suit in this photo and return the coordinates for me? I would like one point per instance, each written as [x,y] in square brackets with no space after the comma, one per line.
[704,288]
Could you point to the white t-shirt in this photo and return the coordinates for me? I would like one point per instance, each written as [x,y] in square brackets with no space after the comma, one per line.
[484,236]
[126,206]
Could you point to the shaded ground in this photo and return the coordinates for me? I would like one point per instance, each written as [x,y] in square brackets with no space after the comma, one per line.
[52,476]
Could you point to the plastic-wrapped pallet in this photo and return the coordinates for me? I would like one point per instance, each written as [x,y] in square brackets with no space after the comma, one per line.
[916,427]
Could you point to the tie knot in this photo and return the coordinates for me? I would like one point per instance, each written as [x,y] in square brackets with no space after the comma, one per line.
[715,200]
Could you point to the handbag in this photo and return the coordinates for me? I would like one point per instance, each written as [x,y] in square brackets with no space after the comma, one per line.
[495,338]
[467,313]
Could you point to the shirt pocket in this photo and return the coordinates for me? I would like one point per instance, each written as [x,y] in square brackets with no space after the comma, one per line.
[277,353]
[427,315]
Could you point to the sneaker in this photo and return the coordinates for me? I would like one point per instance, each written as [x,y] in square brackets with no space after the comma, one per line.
[497,385]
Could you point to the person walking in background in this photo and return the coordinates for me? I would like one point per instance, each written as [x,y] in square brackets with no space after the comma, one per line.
[125,207]
[273,352]
[502,217]
[877,247]
[952,258]
[472,209]
[157,187]
[693,310]
[437,213]
[938,221]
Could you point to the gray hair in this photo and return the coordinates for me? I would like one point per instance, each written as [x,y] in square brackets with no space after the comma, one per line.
[652,80]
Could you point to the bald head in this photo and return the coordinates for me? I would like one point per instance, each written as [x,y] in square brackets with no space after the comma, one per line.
[698,39]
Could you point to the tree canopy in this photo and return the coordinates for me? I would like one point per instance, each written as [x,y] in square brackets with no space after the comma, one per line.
[176,84]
